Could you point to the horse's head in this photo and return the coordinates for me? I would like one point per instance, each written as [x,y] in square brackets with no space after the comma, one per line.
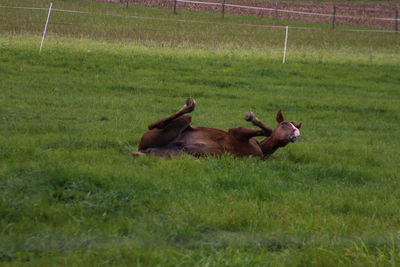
[286,131]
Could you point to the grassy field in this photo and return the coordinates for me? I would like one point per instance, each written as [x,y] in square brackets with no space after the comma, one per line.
[71,194]
[162,27]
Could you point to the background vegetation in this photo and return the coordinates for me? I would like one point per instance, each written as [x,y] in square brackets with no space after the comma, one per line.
[70,193]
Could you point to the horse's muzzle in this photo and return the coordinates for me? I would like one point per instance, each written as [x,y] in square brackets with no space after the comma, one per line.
[295,134]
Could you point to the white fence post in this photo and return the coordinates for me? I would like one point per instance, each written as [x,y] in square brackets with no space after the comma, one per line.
[284,50]
[45,27]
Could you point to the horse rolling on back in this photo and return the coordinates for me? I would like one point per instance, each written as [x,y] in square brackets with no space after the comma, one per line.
[174,135]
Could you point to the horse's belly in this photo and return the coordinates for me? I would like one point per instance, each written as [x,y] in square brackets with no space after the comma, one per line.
[209,141]
[199,142]
[250,148]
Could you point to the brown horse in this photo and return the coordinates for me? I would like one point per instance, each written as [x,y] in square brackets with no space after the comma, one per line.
[174,135]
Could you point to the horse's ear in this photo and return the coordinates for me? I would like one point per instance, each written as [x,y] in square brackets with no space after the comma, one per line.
[279,116]
[297,125]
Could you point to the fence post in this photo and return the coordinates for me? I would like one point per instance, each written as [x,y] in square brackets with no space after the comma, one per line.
[223,8]
[397,20]
[45,27]
[284,50]
[175,7]
[127,3]
[276,11]
[333,17]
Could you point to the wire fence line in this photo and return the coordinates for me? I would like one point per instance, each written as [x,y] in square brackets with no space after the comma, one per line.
[377,16]
[187,20]
[174,31]
[396,20]
[281,10]
[45,9]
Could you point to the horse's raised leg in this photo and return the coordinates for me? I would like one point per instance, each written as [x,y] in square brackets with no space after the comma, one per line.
[163,122]
[257,122]
[161,137]
[244,134]
[163,131]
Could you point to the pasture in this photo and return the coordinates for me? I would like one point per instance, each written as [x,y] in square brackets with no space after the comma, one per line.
[71,194]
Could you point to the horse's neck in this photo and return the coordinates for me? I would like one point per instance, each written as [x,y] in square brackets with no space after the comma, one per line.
[269,145]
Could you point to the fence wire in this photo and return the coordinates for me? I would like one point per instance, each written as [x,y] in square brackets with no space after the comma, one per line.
[184,30]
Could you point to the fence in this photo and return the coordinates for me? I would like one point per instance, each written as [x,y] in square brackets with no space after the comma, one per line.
[378,16]
[177,30]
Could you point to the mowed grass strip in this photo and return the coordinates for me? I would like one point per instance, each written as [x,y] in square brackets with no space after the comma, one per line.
[70,192]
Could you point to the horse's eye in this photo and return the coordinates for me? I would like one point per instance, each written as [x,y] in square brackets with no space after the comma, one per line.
[284,124]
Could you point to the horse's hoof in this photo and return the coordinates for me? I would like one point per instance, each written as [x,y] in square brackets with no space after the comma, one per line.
[249,116]
[190,105]
[137,154]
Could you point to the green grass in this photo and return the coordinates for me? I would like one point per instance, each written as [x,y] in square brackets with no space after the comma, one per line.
[138,24]
[71,194]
